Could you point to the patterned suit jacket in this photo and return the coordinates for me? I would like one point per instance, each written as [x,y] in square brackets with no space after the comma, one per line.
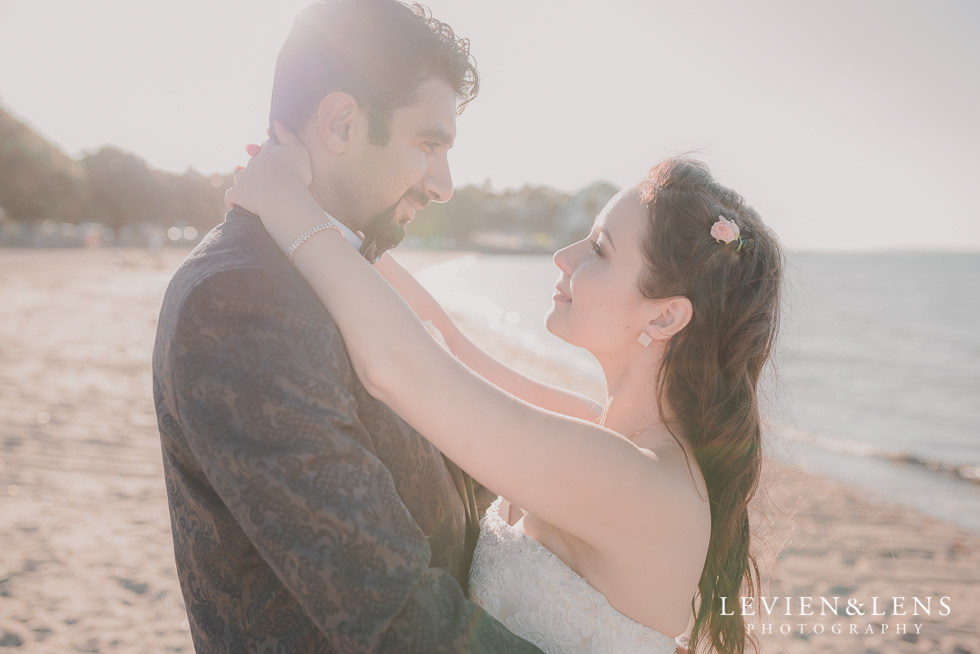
[306,515]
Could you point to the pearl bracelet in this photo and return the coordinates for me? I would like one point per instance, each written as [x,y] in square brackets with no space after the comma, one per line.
[305,236]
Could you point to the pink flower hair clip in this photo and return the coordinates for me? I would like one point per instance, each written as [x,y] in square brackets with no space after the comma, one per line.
[727,231]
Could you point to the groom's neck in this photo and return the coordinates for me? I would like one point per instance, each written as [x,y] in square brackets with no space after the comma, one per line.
[330,177]
[333,203]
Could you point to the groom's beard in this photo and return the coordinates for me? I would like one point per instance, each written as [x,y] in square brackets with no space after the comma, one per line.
[384,232]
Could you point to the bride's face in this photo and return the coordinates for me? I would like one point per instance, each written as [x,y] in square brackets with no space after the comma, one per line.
[597,304]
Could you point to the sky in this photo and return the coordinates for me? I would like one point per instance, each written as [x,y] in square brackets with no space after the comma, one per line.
[849,125]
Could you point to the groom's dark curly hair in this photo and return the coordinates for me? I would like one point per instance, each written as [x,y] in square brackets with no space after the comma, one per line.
[378,51]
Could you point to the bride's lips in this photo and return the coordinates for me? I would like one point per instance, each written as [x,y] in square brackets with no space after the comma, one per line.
[560,296]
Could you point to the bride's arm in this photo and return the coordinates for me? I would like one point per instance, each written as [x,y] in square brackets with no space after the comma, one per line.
[532,391]
[580,477]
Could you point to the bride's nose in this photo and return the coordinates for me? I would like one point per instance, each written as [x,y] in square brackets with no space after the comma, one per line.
[563,261]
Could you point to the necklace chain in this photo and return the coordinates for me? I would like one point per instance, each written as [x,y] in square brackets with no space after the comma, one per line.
[647,428]
[635,433]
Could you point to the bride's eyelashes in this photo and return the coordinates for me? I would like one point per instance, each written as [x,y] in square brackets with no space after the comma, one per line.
[595,246]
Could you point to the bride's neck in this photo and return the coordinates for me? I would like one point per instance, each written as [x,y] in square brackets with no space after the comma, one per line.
[631,398]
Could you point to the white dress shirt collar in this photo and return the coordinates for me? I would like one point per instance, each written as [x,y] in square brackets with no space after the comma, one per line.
[352,237]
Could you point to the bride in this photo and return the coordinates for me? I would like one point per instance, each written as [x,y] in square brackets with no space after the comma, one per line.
[622,522]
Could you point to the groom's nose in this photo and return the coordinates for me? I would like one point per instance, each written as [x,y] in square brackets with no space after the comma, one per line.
[438,181]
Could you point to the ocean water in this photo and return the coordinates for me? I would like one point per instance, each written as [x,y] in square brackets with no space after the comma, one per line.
[876,378]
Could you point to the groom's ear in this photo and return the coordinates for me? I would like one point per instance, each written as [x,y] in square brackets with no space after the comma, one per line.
[338,121]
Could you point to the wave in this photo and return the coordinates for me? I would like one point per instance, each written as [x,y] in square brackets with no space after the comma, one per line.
[961,471]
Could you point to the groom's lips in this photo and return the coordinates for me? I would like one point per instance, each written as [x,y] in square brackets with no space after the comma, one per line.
[410,208]
[415,200]
[560,295]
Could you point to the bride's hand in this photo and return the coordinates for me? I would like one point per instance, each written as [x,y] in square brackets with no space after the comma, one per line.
[277,174]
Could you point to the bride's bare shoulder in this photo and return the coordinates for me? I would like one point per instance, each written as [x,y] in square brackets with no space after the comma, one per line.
[674,475]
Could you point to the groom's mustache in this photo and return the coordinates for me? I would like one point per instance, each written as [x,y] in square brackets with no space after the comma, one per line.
[418,196]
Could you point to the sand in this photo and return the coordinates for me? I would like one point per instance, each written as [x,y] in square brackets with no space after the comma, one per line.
[86,562]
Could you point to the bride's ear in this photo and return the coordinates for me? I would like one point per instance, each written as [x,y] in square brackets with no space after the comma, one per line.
[338,115]
[673,315]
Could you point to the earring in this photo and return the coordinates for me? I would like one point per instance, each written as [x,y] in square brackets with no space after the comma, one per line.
[644,339]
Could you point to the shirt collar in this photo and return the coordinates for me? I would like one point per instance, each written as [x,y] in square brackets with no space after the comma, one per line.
[352,237]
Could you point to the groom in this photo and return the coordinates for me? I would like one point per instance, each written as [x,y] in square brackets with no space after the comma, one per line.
[306,516]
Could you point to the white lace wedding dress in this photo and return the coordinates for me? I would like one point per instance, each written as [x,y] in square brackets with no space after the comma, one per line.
[524,585]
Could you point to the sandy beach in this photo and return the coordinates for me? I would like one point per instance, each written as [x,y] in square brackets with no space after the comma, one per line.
[86,563]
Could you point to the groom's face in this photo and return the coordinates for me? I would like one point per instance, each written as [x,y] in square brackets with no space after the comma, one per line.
[412,168]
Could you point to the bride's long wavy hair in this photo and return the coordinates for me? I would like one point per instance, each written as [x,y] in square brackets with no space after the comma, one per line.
[710,371]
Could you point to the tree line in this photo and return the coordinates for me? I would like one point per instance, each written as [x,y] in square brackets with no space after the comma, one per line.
[110,187]
[118,190]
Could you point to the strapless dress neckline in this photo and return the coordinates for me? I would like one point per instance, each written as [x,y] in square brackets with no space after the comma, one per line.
[526,586]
